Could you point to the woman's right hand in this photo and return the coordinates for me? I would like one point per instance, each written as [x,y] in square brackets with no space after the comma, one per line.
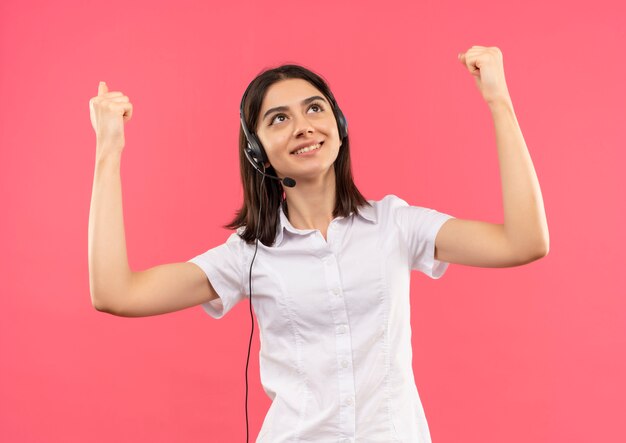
[109,111]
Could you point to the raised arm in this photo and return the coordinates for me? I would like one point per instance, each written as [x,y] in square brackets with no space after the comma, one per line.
[113,286]
[524,236]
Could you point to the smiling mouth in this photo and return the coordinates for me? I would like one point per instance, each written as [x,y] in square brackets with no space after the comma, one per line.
[308,149]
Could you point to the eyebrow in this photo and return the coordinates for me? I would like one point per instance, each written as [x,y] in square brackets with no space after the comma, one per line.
[306,101]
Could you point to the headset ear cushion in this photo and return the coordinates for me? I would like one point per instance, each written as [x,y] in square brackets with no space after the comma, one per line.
[342,124]
[257,151]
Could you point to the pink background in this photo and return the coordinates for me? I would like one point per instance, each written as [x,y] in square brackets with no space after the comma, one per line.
[525,354]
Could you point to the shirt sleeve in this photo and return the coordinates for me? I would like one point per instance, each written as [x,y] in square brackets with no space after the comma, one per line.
[223,266]
[418,228]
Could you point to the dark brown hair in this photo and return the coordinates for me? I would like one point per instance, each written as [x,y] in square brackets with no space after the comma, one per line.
[348,198]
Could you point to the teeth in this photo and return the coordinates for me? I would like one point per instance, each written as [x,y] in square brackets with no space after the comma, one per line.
[307,149]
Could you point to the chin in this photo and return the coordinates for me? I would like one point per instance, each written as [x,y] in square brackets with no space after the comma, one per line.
[308,174]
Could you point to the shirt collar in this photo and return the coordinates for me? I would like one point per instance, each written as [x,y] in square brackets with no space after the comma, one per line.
[366,212]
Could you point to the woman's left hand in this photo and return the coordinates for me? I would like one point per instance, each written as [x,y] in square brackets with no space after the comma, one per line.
[485,64]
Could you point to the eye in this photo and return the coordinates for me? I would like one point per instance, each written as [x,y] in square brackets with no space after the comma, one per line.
[275,117]
[313,106]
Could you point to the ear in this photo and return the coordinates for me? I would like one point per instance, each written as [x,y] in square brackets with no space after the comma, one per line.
[267,165]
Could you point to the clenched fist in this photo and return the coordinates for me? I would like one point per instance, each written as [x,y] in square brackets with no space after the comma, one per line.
[487,67]
[109,111]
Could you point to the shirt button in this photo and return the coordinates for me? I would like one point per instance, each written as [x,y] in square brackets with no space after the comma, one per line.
[341,329]
[335,291]
[345,440]
[344,364]
[349,400]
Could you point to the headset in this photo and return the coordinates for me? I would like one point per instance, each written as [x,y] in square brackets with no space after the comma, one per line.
[256,155]
[254,151]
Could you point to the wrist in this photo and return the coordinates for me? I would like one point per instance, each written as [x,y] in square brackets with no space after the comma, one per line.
[107,154]
[500,103]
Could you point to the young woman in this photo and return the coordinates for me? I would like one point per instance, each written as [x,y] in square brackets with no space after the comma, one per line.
[327,271]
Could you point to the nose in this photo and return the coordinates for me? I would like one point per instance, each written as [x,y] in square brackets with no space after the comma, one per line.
[303,126]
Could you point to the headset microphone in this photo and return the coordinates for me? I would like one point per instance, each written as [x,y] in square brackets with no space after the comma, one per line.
[287,181]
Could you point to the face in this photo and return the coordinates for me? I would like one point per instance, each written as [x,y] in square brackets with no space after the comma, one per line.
[300,121]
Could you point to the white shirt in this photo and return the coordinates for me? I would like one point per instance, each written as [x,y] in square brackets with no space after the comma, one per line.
[334,319]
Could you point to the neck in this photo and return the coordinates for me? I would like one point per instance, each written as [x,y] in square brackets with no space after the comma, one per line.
[311,202]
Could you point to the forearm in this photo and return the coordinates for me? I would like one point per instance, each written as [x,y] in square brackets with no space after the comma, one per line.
[109,272]
[525,221]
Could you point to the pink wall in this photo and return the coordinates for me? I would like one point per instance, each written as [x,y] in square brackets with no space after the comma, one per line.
[526,354]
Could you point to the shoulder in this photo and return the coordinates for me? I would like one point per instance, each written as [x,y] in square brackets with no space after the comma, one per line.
[233,245]
[389,200]
[387,205]
[397,211]
[382,211]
